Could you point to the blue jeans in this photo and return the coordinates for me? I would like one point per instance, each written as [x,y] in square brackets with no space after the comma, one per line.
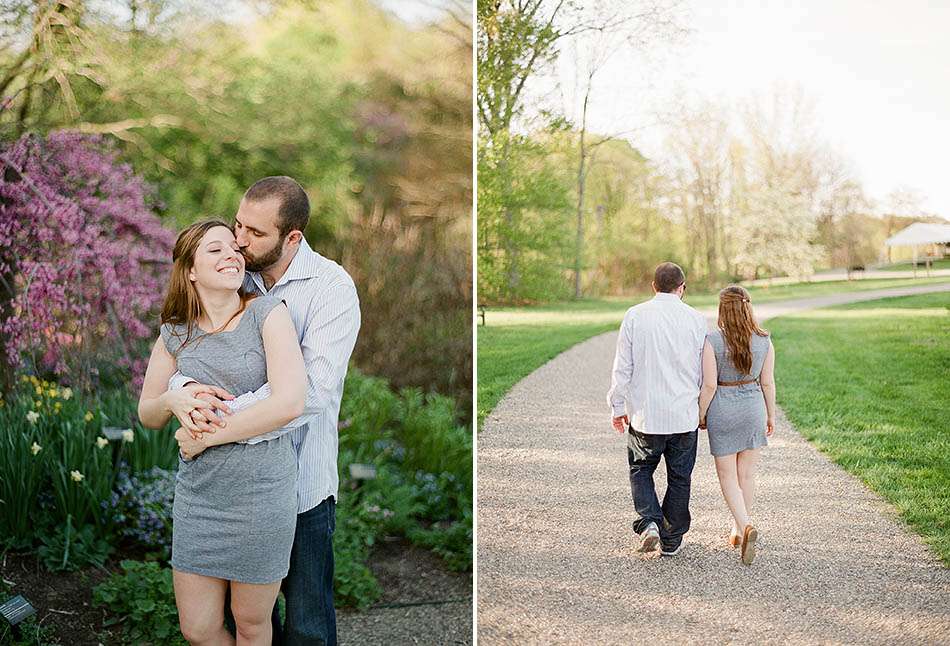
[308,588]
[643,455]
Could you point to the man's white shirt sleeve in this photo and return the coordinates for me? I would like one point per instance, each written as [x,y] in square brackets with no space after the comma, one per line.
[622,373]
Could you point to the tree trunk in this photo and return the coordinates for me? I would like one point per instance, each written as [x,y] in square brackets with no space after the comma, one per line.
[511,249]
[581,181]
[579,241]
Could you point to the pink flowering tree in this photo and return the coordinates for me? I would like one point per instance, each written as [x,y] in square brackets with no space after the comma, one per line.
[83,259]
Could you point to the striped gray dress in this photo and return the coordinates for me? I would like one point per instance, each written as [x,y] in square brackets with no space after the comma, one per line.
[736,417]
[235,509]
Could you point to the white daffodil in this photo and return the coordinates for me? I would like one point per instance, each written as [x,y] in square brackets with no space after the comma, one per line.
[101,442]
[32,417]
[67,393]
[128,436]
[76,476]
[36,448]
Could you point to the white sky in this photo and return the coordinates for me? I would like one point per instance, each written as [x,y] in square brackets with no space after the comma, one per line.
[878,72]
[415,11]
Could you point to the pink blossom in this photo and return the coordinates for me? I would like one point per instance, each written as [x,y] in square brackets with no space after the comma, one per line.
[87,258]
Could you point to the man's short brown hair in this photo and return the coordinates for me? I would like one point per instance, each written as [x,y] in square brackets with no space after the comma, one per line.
[668,276]
[293,211]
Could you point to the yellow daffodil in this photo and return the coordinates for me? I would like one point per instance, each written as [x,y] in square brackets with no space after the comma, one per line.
[53,392]
[32,416]
[128,436]
[101,442]
[36,448]
[25,379]
[57,407]
[76,476]
[37,403]
[88,417]
[39,390]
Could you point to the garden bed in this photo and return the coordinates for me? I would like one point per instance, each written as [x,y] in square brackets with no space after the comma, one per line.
[413,582]
[86,523]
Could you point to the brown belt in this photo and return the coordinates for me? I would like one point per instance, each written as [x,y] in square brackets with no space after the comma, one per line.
[738,383]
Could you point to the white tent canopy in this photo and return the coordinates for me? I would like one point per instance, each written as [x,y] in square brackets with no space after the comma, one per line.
[920,233]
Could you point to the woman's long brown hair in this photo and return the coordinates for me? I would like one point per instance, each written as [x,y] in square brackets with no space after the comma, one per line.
[738,324]
[182,305]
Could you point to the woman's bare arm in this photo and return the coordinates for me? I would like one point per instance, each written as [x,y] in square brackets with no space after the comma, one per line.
[156,405]
[710,382]
[767,381]
[153,408]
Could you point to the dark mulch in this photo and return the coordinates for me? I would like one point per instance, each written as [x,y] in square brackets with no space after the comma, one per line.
[63,601]
[422,602]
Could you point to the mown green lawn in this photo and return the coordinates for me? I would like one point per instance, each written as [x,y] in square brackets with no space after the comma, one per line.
[506,354]
[868,384]
[515,341]
[943,263]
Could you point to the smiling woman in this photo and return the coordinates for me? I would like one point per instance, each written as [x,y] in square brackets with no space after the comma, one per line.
[242,477]
[205,257]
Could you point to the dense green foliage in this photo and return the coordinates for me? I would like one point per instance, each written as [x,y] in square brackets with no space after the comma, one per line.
[423,461]
[523,231]
[59,470]
[142,600]
[880,410]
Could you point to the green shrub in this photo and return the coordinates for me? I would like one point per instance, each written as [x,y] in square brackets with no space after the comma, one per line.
[353,583]
[23,474]
[67,548]
[423,484]
[57,465]
[81,474]
[31,633]
[143,601]
[150,448]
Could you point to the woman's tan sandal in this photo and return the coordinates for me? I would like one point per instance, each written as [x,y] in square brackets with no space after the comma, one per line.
[735,540]
[749,537]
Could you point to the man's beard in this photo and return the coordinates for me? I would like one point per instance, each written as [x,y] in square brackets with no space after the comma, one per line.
[262,262]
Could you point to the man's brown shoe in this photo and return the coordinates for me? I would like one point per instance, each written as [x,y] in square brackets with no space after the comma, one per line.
[749,537]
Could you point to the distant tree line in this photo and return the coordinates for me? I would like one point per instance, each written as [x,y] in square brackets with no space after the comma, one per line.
[743,191]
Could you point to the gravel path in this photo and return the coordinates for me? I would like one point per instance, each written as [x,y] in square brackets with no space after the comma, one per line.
[555,550]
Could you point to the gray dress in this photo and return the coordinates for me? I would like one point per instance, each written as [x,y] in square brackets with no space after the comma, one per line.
[736,417]
[235,509]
